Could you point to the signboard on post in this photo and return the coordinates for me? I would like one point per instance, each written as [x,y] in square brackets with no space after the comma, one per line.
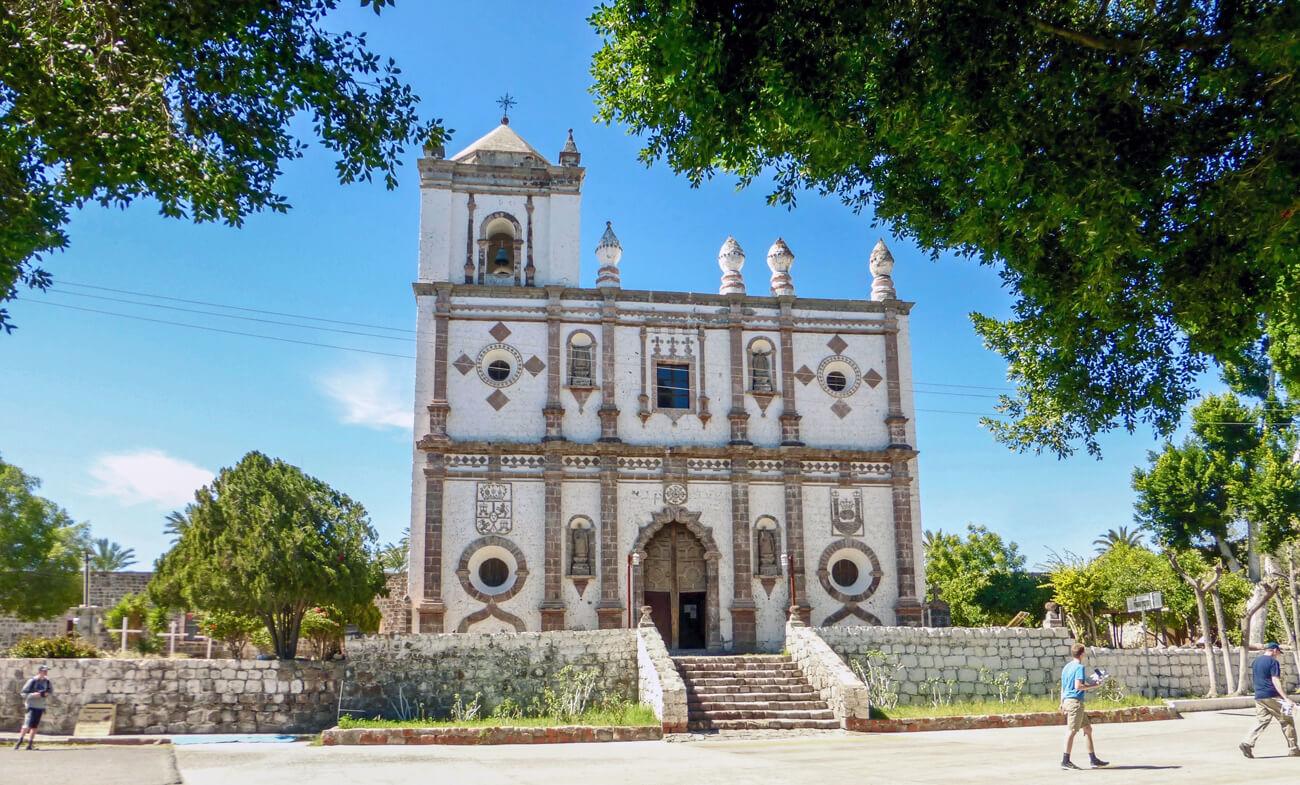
[1151,601]
[96,719]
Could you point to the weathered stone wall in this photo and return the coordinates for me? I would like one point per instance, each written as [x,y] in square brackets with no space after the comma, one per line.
[395,609]
[659,685]
[836,684]
[958,654]
[183,696]
[392,676]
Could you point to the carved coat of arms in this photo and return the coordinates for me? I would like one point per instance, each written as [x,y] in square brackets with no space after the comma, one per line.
[492,508]
[846,510]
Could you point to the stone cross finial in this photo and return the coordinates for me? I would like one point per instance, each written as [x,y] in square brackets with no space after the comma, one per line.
[505,102]
[608,253]
[731,258]
[569,155]
[779,259]
[882,268]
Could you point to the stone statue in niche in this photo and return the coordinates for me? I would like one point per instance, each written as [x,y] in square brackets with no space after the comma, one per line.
[580,550]
[767,554]
[760,368]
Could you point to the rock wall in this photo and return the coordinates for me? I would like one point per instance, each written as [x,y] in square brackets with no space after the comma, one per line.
[843,692]
[183,695]
[659,685]
[967,658]
[106,588]
[406,675]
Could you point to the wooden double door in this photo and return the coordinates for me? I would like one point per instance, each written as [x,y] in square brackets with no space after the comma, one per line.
[676,586]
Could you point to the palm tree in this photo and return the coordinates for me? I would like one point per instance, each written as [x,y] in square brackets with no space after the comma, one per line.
[1120,536]
[176,523]
[107,556]
[393,556]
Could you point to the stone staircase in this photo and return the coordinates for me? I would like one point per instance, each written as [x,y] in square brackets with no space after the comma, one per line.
[755,692]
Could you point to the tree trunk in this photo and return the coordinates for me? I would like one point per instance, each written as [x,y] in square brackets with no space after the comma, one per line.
[1205,631]
[1291,590]
[1221,626]
[1243,672]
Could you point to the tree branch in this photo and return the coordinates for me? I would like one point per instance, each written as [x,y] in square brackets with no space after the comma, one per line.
[1126,45]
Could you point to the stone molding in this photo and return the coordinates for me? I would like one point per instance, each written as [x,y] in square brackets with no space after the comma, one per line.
[521,569]
[824,574]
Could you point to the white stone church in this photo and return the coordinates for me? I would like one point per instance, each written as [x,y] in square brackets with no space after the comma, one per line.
[582,452]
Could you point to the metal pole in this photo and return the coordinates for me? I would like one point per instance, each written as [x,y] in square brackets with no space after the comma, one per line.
[789,570]
[85,579]
[630,623]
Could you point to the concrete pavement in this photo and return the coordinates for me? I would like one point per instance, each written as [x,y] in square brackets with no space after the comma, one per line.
[1198,750]
[101,765]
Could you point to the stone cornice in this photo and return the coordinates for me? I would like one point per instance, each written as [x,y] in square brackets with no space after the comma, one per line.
[652,297]
[622,449]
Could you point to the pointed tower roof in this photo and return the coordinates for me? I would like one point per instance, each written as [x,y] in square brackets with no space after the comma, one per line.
[501,139]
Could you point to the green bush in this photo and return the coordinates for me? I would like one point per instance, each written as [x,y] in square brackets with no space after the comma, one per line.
[231,629]
[60,647]
[139,614]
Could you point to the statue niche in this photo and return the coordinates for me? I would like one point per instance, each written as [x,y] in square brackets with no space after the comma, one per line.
[582,547]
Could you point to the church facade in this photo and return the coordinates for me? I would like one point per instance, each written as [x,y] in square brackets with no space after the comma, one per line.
[725,459]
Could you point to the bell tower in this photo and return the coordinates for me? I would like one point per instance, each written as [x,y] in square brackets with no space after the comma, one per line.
[499,213]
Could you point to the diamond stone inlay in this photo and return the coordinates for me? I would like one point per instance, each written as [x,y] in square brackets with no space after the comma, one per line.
[872,378]
[499,331]
[804,374]
[499,399]
[463,364]
[837,345]
[841,409]
[534,365]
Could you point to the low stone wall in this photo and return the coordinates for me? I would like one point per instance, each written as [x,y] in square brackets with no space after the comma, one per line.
[183,696]
[659,685]
[842,691]
[406,676]
[957,656]
[1034,719]
[562,734]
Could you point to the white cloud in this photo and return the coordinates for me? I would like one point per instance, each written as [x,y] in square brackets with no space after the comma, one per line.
[370,395]
[148,477]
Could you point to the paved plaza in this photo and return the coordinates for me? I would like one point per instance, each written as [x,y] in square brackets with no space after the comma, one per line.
[1202,748]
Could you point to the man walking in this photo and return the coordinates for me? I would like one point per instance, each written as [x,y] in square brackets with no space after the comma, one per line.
[37,689]
[1074,684]
[1271,701]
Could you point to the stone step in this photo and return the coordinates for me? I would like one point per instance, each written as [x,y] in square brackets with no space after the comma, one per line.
[705,725]
[791,673]
[710,707]
[763,714]
[732,658]
[803,694]
[768,684]
[735,666]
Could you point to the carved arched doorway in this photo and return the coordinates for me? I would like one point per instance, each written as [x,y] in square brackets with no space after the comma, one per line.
[678,579]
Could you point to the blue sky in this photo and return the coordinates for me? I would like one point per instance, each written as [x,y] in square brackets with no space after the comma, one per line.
[122,418]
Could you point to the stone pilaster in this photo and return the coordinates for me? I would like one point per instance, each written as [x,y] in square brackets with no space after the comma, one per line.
[738,417]
[469,241]
[553,412]
[553,548]
[439,408]
[530,270]
[894,419]
[608,411]
[789,411]
[744,629]
[429,610]
[792,476]
[908,612]
[610,609]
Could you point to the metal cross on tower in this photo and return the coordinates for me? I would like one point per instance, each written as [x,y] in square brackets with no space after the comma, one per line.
[505,102]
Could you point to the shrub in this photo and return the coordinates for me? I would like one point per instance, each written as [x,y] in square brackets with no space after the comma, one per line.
[880,675]
[139,614]
[60,647]
[231,629]
[323,630]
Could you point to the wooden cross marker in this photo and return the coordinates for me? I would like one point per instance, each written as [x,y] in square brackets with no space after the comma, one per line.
[171,639]
[124,632]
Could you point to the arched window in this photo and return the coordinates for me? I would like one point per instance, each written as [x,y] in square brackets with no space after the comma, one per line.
[582,359]
[500,243]
[760,366]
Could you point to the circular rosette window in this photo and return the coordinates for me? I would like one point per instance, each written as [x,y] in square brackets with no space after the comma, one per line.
[499,364]
[849,571]
[839,376]
[492,569]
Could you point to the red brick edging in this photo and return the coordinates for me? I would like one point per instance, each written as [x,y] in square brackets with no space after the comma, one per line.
[562,734]
[1034,719]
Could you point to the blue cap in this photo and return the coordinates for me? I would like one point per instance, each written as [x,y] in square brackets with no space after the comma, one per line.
[1273,645]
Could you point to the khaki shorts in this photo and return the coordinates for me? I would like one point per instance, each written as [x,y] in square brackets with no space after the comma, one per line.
[1076,715]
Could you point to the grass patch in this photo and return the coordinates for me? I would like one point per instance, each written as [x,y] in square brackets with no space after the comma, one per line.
[631,714]
[1022,706]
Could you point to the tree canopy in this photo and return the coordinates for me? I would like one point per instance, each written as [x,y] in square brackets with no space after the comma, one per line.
[268,541]
[105,102]
[1131,167]
[981,576]
[40,550]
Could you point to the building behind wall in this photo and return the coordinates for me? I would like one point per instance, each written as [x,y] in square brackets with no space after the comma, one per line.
[583,451]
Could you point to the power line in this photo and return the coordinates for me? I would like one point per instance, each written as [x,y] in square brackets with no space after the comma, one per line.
[236,307]
[215,329]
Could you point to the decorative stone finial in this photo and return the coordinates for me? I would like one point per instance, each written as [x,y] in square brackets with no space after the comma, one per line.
[569,156]
[731,258]
[608,253]
[882,267]
[779,259]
